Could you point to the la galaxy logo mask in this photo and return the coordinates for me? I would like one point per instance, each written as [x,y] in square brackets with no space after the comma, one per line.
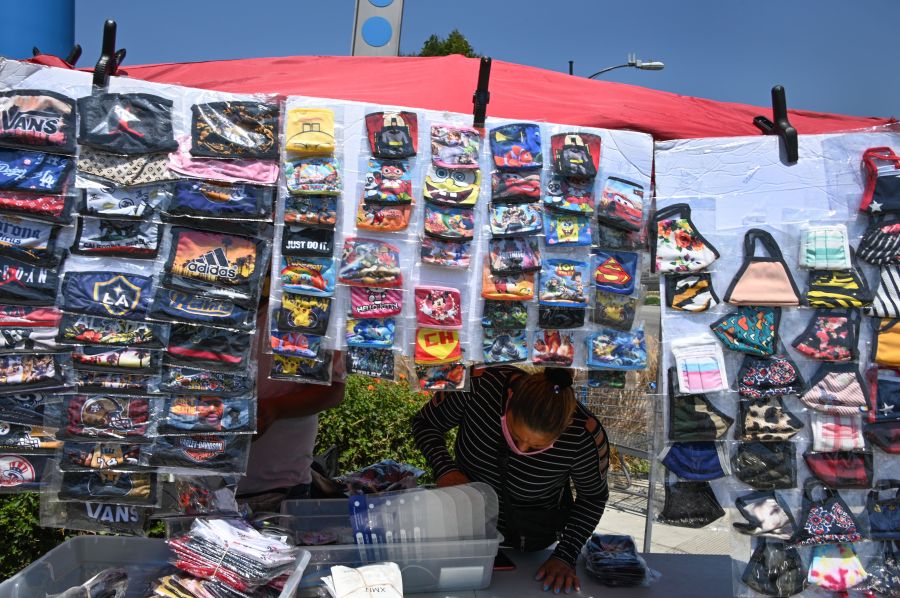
[104,294]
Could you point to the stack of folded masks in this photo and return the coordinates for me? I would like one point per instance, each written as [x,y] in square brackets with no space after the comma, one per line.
[613,561]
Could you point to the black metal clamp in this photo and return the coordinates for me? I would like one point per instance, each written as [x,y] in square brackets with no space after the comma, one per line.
[110,58]
[71,59]
[782,126]
[482,96]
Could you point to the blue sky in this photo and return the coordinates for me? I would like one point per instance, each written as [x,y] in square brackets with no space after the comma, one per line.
[831,55]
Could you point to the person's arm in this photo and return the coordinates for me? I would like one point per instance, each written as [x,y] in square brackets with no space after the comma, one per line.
[429,426]
[589,474]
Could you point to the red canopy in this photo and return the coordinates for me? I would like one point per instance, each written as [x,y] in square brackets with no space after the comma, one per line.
[520,92]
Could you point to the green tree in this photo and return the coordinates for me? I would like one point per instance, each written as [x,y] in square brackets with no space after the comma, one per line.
[454,43]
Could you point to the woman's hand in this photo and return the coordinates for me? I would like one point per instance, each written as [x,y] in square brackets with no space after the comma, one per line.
[453,478]
[557,575]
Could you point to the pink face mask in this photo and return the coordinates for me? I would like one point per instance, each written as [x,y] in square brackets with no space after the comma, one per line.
[512,443]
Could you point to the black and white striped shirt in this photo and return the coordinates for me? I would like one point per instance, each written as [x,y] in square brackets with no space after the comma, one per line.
[580,454]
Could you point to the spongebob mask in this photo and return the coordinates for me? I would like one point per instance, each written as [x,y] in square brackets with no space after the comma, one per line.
[452,186]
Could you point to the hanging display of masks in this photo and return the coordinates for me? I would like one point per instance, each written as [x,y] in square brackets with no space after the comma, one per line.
[762,280]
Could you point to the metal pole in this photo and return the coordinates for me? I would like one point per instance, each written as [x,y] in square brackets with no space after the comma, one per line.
[571,67]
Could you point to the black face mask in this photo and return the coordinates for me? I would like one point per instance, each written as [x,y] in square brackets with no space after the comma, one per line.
[126,123]
[766,465]
[825,521]
[775,569]
[211,452]
[560,317]
[690,504]
[694,417]
[118,488]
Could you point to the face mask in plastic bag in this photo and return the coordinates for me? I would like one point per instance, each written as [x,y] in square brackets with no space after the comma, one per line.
[774,376]
[29,240]
[437,347]
[110,486]
[55,209]
[217,259]
[690,292]
[307,242]
[37,119]
[26,409]
[514,255]
[363,332]
[392,135]
[560,317]
[830,336]
[205,414]
[198,495]
[107,294]
[506,287]
[887,343]
[246,130]
[454,187]
[369,262]
[575,154]
[28,339]
[694,417]
[385,579]
[504,346]
[837,389]
[179,306]
[387,182]
[516,145]
[125,202]
[454,147]
[313,176]
[553,347]
[438,307]
[880,244]
[514,187]
[140,361]
[446,254]
[450,224]
[617,350]
[837,288]
[89,381]
[75,329]
[827,520]
[700,363]
[210,452]
[125,171]
[613,310]
[26,373]
[308,275]
[884,435]
[515,219]
[566,230]
[884,395]
[126,123]
[374,363]
[302,313]
[386,218]
[183,380]
[676,245]
[689,504]
[313,210]
[28,439]
[94,516]
[104,416]
[766,419]
[22,473]
[767,516]
[886,303]
[204,346]
[621,204]
[286,367]
[86,456]
[562,283]
[752,330]
[884,511]
[504,314]
[882,191]
[575,196]
[775,569]
[841,469]
[615,271]
[695,461]
[836,432]
[825,247]
[310,131]
[766,465]
[204,199]
[762,280]
[835,567]
[451,376]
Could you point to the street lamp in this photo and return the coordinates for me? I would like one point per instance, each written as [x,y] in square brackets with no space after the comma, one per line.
[652,65]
